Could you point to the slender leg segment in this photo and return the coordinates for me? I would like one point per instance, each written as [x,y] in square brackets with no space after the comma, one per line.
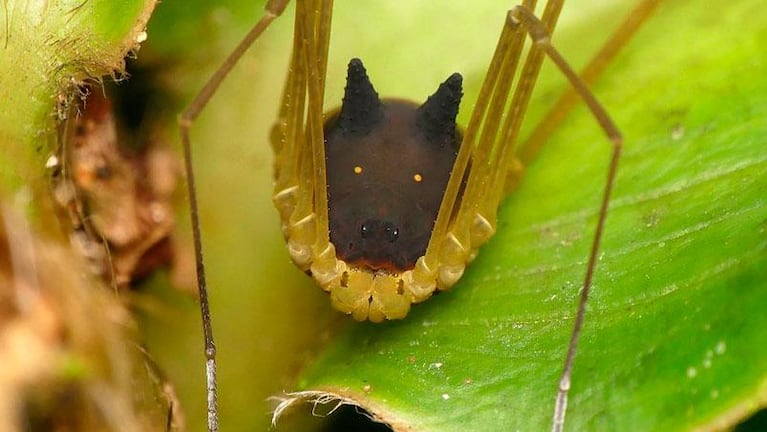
[274,8]
[593,70]
[522,16]
[529,150]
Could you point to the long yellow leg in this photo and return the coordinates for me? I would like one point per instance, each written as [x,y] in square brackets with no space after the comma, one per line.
[465,223]
[492,156]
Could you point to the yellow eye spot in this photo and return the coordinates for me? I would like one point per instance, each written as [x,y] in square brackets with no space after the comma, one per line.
[418,178]
[358,170]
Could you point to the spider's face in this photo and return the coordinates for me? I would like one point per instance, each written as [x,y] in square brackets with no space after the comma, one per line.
[388,163]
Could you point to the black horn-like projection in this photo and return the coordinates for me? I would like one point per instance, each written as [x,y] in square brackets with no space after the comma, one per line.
[436,117]
[361,108]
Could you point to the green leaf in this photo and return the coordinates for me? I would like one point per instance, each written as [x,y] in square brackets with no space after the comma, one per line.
[46,48]
[674,333]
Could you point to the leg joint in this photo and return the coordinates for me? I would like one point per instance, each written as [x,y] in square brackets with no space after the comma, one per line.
[275,8]
[520,15]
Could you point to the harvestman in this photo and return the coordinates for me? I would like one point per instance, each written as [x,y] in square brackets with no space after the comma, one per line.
[484,168]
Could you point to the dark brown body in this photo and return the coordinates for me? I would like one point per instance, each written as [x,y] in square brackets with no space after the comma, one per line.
[388,163]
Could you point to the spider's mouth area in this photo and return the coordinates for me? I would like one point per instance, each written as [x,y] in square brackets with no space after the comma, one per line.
[378,266]
[382,246]
[361,269]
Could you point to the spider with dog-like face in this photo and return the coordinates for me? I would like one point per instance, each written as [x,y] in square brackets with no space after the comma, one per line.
[337,179]
[337,175]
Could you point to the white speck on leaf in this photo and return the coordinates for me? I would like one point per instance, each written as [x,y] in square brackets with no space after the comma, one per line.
[721,347]
[677,132]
